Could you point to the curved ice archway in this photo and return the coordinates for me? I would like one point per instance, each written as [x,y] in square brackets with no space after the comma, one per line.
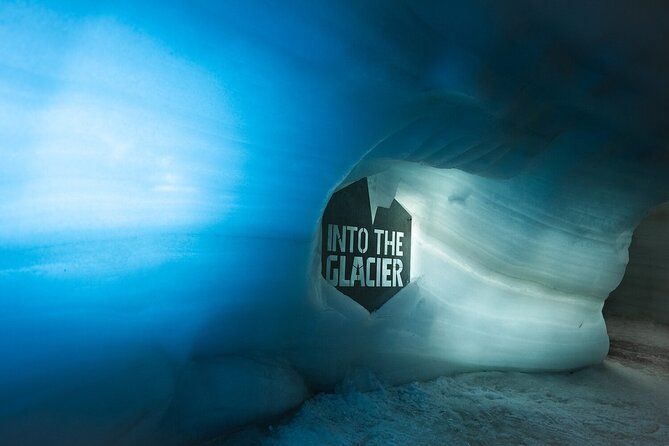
[526,275]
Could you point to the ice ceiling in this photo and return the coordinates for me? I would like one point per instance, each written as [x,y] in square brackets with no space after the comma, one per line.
[165,166]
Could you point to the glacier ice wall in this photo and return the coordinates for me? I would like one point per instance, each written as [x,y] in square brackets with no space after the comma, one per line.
[644,289]
[164,168]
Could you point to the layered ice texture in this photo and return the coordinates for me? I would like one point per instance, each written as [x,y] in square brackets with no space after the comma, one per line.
[164,169]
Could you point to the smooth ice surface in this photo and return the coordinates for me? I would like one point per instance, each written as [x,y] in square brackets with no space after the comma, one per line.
[164,165]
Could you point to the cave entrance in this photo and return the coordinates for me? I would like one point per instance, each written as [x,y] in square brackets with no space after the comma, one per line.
[644,291]
[637,312]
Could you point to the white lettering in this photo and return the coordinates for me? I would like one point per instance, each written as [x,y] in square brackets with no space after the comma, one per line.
[331,273]
[389,243]
[343,281]
[386,278]
[340,238]
[362,250]
[378,233]
[351,230]
[357,271]
[397,268]
[370,260]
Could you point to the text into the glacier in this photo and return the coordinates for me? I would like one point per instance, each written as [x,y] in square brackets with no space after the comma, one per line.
[365,250]
[364,271]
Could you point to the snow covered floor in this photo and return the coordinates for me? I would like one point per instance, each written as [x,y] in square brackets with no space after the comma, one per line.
[623,401]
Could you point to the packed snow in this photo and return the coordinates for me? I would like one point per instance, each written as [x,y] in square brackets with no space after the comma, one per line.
[623,401]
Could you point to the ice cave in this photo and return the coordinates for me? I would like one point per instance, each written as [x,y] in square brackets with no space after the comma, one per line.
[334,222]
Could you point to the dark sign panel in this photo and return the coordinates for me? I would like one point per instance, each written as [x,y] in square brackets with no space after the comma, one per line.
[368,259]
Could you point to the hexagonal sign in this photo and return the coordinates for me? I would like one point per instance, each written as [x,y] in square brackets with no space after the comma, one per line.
[367,257]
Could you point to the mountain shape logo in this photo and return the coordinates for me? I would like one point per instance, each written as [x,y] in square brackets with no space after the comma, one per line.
[366,257]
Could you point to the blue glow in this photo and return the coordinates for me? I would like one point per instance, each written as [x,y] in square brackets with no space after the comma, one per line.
[164,165]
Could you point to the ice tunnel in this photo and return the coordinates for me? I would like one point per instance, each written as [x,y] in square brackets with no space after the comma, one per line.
[166,169]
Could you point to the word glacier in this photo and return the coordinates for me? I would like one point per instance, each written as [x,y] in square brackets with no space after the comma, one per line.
[365,270]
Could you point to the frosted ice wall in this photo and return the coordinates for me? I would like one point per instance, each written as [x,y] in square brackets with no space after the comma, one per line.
[164,167]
